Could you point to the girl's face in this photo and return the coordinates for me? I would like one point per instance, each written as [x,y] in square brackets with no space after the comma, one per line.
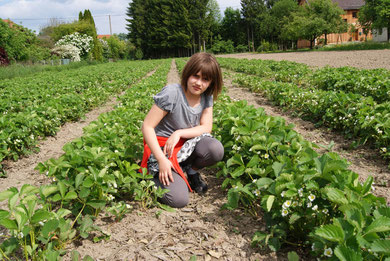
[197,84]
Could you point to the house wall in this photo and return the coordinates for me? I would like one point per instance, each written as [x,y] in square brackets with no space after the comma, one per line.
[350,17]
[377,37]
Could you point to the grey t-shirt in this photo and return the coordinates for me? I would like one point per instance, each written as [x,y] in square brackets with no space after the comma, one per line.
[180,115]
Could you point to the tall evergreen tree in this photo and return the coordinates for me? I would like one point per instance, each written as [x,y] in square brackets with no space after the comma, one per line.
[97,51]
[251,10]
[232,26]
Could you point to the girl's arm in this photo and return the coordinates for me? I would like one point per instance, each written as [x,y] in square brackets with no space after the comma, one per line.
[152,119]
[205,126]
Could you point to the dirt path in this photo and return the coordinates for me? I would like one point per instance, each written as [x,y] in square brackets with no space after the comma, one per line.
[22,171]
[200,229]
[364,161]
[367,59]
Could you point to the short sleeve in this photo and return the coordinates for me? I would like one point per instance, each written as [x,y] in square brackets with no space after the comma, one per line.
[208,101]
[166,99]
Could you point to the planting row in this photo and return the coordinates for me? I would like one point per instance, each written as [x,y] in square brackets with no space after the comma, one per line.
[373,82]
[97,172]
[307,200]
[356,116]
[33,107]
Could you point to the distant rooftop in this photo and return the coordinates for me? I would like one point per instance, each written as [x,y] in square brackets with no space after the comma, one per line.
[349,4]
[101,36]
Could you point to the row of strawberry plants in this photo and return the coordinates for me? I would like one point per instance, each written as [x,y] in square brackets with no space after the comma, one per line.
[373,82]
[355,115]
[306,199]
[97,172]
[44,109]
[284,71]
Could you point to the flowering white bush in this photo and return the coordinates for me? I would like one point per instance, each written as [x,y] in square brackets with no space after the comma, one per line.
[82,41]
[106,47]
[68,51]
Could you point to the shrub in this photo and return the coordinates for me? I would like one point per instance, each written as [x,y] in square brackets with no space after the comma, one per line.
[81,41]
[3,57]
[241,48]
[267,47]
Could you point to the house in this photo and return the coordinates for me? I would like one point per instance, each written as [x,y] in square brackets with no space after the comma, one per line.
[9,22]
[351,8]
[103,36]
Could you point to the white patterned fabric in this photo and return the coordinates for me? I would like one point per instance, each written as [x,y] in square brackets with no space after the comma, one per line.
[183,154]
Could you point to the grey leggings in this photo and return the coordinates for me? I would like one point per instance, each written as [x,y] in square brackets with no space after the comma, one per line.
[207,152]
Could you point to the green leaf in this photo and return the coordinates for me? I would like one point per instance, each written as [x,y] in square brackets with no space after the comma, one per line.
[8,223]
[253,162]
[79,179]
[88,182]
[62,212]
[294,217]
[292,256]
[264,182]
[49,226]
[97,203]
[6,194]
[381,245]
[27,188]
[347,254]
[278,168]
[40,215]
[233,197]
[235,160]
[48,190]
[335,195]
[270,202]
[21,218]
[4,214]
[62,188]
[88,258]
[238,172]
[71,195]
[75,255]
[367,185]
[381,224]
[331,232]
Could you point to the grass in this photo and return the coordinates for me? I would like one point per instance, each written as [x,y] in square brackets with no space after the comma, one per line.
[356,46]
[20,70]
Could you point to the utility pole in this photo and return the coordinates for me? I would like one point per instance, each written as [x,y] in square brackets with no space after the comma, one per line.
[109,18]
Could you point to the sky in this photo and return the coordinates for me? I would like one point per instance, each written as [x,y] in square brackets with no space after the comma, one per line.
[35,14]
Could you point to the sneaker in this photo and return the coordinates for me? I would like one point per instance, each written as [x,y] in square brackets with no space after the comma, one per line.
[197,183]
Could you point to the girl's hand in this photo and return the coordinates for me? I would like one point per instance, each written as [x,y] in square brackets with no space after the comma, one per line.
[171,143]
[165,174]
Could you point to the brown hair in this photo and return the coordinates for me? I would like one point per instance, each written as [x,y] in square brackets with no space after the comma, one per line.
[208,65]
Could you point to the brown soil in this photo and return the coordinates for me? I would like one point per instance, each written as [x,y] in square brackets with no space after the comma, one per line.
[368,59]
[200,229]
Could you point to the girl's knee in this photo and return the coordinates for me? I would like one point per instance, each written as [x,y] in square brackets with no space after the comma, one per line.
[216,150]
[175,201]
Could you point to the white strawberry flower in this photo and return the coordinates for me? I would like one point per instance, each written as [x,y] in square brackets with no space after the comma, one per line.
[328,252]
[284,212]
[287,204]
[312,197]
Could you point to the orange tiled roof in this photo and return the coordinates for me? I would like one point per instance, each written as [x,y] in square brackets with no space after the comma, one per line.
[101,36]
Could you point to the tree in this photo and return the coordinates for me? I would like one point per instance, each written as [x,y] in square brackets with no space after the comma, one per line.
[316,18]
[281,14]
[303,26]
[20,43]
[232,26]
[97,51]
[251,10]
[331,13]
[375,14]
